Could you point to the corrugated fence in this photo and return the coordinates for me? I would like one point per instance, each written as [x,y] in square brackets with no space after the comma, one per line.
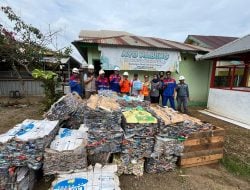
[26,87]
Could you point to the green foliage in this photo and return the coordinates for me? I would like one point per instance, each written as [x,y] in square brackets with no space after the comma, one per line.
[236,166]
[49,80]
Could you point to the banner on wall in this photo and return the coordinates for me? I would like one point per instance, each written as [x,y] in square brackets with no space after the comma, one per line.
[139,59]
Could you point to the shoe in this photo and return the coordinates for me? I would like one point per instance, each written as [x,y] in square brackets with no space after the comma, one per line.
[164,106]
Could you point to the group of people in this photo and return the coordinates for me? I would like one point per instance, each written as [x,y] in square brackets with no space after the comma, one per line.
[161,86]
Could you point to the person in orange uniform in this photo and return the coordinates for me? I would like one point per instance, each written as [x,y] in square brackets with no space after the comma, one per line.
[125,84]
[146,88]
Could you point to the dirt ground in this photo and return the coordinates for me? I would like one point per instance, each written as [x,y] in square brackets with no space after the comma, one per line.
[212,177]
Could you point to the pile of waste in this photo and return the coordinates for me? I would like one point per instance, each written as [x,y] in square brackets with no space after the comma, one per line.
[24,144]
[132,102]
[93,178]
[164,156]
[67,152]
[17,178]
[103,119]
[108,93]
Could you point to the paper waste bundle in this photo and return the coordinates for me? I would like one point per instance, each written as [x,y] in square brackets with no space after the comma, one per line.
[67,152]
[20,178]
[24,144]
[103,119]
[94,178]
[132,102]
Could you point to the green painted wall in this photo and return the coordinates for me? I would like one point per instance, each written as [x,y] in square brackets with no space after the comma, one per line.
[197,74]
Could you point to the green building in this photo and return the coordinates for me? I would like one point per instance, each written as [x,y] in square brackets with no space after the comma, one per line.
[147,55]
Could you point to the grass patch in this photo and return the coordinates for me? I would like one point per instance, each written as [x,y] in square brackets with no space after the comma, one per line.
[236,166]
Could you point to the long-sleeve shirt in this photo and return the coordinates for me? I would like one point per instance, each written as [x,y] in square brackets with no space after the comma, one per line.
[114,82]
[182,90]
[169,86]
[75,85]
[125,85]
[102,83]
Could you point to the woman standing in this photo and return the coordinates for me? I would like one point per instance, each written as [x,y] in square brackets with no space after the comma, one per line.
[155,90]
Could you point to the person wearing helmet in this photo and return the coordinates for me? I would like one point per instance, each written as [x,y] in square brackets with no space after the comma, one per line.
[102,82]
[169,85]
[125,84]
[182,94]
[115,80]
[89,80]
[75,82]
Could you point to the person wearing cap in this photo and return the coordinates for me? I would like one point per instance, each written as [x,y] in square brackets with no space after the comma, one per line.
[75,82]
[182,94]
[102,82]
[125,84]
[169,85]
[115,80]
[146,88]
[89,80]
[136,85]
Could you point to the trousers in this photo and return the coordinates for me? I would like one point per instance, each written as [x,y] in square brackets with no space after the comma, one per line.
[171,100]
[182,101]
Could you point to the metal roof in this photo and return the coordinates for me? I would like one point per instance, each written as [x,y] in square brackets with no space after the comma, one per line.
[212,42]
[119,38]
[239,46]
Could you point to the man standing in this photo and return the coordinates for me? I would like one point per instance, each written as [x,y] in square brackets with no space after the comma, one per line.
[102,82]
[115,80]
[182,94]
[136,85]
[169,85]
[89,82]
[125,84]
[75,82]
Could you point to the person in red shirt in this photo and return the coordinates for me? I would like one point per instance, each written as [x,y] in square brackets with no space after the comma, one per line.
[102,82]
[114,80]
[125,84]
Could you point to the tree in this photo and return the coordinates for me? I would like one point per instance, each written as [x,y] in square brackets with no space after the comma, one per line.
[25,45]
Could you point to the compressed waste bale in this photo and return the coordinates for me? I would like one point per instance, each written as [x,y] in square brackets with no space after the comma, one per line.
[94,178]
[103,118]
[102,158]
[127,166]
[18,178]
[108,93]
[67,152]
[64,107]
[24,144]
[165,155]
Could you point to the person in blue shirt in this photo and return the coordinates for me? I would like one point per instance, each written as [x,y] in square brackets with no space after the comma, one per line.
[114,80]
[75,82]
[169,85]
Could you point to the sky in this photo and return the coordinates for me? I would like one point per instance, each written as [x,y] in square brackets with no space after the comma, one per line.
[167,19]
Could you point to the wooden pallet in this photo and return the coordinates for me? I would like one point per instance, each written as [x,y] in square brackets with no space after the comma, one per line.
[203,148]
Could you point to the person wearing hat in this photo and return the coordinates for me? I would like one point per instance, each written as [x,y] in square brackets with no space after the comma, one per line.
[146,88]
[169,85]
[182,94]
[102,82]
[89,80]
[75,82]
[125,84]
[115,80]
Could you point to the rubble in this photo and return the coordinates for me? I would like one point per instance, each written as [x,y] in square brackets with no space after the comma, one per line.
[24,144]
[132,102]
[67,152]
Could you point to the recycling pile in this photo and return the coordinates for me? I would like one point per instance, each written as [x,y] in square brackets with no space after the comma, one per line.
[132,102]
[17,178]
[65,107]
[139,127]
[24,144]
[94,178]
[165,155]
[103,119]
[67,152]
[108,93]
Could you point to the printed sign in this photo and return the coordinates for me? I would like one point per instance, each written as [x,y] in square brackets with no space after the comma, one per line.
[71,184]
[139,59]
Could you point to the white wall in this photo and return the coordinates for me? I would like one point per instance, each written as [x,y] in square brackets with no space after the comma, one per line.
[231,104]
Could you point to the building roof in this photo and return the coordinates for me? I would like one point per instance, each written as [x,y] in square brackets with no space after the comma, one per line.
[119,38]
[211,42]
[238,46]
